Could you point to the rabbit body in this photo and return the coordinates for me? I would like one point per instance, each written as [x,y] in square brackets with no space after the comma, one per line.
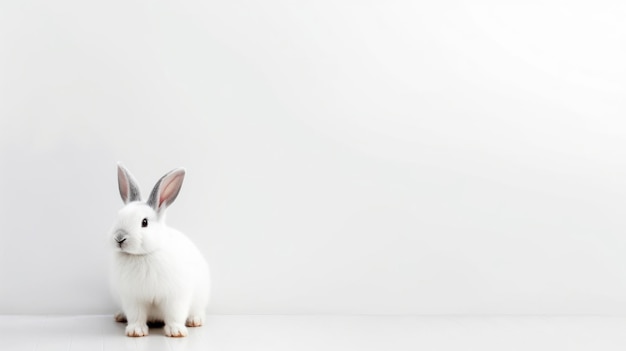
[158,274]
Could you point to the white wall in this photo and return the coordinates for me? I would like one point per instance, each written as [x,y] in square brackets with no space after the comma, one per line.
[343,156]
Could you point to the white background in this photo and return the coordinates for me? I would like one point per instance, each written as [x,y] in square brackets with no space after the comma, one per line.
[380,157]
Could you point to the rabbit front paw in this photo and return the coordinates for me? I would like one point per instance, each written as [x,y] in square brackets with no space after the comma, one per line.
[194,321]
[137,329]
[175,330]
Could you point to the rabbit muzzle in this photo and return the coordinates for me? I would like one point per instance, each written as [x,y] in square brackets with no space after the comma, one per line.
[120,237]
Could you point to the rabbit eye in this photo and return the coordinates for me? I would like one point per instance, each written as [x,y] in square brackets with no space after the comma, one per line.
[144,223]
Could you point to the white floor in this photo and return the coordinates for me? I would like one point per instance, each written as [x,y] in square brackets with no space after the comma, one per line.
[322,333]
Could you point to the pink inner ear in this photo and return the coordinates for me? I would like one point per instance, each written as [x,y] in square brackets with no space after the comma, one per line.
[170,189]
[123,183]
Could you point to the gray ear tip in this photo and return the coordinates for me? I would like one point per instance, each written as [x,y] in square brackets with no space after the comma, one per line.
[180,170]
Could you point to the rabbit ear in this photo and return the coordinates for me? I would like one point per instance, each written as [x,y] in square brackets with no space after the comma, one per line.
[129,191]
[166,190]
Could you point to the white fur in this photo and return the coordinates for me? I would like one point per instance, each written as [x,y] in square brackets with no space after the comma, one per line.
[158,273]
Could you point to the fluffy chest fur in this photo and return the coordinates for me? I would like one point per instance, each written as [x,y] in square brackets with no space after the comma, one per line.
[150,278]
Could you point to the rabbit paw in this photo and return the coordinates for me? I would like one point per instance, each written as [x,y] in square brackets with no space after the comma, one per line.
[175,330]
[120,317]
[194,321]
[137,330]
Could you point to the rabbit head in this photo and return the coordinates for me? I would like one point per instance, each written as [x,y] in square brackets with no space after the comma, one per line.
[140,227]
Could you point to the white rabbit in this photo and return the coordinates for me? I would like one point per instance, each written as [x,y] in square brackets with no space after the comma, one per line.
[158,273]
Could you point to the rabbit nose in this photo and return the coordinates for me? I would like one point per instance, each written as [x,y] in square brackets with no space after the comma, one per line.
[120,240]
[120,237]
